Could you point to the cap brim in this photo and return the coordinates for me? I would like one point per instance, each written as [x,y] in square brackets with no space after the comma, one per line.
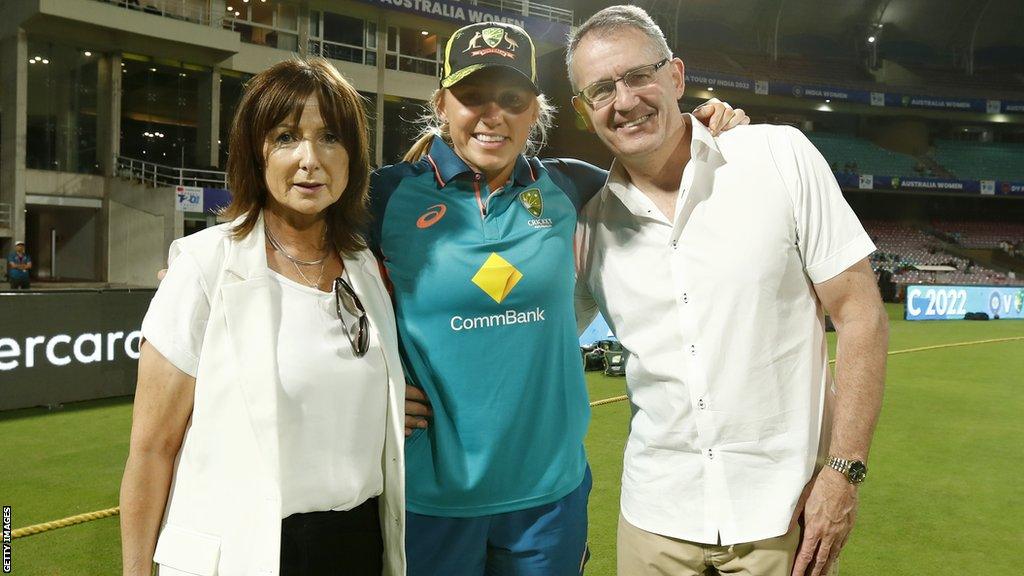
[456,77]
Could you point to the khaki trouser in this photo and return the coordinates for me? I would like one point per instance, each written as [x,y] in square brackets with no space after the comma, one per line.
[643,553]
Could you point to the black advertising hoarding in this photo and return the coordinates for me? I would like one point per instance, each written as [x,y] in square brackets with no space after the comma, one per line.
[58,347]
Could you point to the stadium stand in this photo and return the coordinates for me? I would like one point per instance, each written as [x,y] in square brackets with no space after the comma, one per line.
[903,247]
[712,61]
[831,71]
[861,155]
[958,83]
[978,160]
[982,234]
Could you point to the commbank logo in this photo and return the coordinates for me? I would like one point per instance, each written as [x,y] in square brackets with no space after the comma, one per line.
[431,216]
[496,277]
[506,318]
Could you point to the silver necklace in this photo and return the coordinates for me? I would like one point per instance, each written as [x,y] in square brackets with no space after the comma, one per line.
[318,278]
[322,261]
[277,246]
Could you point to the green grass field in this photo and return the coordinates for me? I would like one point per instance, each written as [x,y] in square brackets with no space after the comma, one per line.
[944,495]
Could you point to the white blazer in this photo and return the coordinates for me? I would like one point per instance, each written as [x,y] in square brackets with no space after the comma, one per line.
[223,514]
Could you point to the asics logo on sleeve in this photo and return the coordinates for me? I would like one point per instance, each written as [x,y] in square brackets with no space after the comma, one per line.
[431,216]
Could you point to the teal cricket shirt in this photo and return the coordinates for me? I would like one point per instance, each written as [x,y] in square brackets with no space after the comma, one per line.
[483,292]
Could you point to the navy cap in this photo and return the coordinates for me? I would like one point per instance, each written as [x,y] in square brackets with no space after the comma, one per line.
[485,45]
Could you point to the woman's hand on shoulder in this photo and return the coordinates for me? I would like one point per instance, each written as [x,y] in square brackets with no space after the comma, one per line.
[719,116]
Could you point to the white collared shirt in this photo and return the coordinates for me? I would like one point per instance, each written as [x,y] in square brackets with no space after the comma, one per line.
[728,370]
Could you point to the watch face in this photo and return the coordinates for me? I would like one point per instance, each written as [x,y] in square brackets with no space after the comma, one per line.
[858,472]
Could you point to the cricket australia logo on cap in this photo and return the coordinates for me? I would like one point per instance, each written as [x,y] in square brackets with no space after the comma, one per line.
[493,36]
[497,43]
[533,201]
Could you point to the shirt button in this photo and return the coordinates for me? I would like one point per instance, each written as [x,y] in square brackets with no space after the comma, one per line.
[686,299]
[701,404]
[693,350]
[711,454]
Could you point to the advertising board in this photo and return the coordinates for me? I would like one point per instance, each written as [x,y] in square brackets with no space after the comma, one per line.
[931,302]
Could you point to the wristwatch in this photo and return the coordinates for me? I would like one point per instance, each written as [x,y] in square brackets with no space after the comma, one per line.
[854,470]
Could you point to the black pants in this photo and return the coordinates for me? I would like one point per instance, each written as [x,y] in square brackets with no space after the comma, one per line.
[333,543]
[19,284]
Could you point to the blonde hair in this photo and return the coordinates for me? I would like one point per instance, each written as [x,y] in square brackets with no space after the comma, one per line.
[434,126]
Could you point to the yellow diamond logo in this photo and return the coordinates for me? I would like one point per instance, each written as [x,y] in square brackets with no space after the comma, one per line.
[497,277]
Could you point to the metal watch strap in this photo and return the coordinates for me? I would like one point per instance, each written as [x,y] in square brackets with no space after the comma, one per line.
[843,466]
[854,470]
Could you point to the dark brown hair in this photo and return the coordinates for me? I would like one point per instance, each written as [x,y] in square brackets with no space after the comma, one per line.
[274,95]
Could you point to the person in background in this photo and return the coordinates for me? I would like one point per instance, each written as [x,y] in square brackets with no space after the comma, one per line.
[476,236]
[18,265]
[267,426]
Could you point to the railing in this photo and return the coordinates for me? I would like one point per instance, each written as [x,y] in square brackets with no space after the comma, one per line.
[160,175]
[527,8]
[6,215]
[262,34]
[414,64]
[340,51]
[196,11]
[199,12]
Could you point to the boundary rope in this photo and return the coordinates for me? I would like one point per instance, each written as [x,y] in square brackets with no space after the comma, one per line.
[69,521]
[90,516]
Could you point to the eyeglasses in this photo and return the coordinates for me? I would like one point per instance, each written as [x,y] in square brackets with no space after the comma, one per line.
[358,331]
[602,91]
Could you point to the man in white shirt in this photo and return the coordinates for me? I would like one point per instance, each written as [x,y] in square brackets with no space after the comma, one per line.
[712,260]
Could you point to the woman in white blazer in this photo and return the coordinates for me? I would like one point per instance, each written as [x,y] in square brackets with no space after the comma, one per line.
[267,428]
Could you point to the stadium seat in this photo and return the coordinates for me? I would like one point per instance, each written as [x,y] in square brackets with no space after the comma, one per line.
[840,150]
[975,160]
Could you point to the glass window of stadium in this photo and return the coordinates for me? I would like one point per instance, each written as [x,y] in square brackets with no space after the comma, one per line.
[401,126]
[231,86]
[191,10]
[414,50]
[159,111]
[271,24]
[61,116]
[370,107]
[342,38]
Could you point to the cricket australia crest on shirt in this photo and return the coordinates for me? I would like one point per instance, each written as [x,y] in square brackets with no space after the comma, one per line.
[533,201]
[493,38]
